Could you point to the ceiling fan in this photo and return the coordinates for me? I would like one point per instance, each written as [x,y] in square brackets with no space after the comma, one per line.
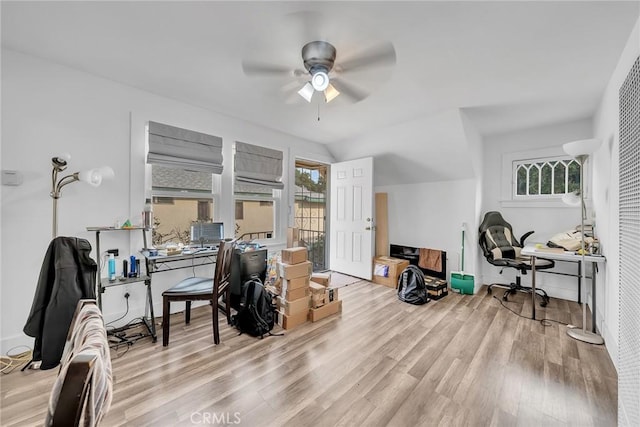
[324,74]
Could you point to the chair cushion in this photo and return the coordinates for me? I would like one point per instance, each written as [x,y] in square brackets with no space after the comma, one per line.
[195,285]
[540,263]
[509,252]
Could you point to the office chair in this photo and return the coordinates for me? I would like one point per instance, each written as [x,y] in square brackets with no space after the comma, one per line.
[501,248]
[202,288]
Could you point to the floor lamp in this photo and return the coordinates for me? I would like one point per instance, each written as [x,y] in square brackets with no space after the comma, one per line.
[92,177]
[580,150]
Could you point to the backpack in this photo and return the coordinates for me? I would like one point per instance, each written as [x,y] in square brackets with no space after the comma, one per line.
[257,314]
[411,287]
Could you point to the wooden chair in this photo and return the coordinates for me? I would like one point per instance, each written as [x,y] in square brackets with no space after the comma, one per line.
[201,289]
[81,394]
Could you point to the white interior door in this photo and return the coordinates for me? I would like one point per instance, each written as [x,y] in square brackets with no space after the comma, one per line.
[351,243]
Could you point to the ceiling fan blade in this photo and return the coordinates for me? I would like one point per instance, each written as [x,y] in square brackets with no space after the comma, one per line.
[383,54]
[350,91]
[267,70]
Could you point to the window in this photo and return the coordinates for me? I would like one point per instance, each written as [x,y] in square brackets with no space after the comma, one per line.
[185,165]
[538,178]
[180,197]
[546,177]
[255,212]
[257,185]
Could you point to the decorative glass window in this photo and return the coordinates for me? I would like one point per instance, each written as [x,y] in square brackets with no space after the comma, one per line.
[546,177]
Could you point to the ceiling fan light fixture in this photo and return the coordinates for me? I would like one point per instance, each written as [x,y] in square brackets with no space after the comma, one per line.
[320,80]
[306,92]
[330,93]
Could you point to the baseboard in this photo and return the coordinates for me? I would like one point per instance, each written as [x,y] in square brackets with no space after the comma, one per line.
[610,343]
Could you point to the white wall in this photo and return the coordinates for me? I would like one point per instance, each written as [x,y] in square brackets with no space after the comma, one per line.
[430,215]
[606,194]
[545,220]
[49,109]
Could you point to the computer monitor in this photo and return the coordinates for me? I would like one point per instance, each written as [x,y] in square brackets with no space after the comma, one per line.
[207,233]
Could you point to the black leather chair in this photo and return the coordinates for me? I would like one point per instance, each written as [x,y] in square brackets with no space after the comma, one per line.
[202,289]
[501,249]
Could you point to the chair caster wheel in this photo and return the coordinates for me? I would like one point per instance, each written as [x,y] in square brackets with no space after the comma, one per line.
[512,291]
[543,303]
[488,291]
[505,298]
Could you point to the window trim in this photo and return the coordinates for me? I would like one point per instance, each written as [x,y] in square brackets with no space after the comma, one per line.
[508,182]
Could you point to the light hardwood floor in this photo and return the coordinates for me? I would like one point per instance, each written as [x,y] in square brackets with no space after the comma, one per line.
[463,360]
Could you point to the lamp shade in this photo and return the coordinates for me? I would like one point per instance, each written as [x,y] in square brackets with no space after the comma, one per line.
[583,147]
[330,93]
[92,177]
[306,92]
[107,172]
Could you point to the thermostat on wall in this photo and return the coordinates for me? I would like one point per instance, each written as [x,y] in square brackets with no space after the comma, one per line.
[11,177]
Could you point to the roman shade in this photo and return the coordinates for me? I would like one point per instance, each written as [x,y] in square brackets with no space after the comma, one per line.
[179,148]
[257,166]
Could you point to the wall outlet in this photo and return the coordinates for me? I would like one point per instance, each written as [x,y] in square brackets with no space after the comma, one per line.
[115,252]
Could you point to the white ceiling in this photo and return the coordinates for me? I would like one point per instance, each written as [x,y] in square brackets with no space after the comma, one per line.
[508,65]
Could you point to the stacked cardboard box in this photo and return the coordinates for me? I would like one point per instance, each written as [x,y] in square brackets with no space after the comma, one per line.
[386,270]
[294,275]
[324,298]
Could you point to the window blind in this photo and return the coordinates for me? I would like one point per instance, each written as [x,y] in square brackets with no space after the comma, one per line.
[179,148]
[257,166]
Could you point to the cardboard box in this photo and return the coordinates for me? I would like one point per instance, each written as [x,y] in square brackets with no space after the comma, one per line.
[317,294]
[293,239]
[331,294]
[291,321]
[316,288]
[436,288]
[296,294]
[294,255]
[322,278]
[395,267]
[294,307]
[317,300]
[326,310]
[292,271]
[297,283]
[320,299]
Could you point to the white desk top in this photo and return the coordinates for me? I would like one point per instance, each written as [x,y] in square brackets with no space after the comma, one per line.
[531,250]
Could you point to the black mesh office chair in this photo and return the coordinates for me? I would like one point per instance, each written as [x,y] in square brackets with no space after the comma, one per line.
[501,248]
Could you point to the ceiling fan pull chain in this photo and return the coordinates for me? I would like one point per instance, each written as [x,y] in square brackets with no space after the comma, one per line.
[318,111]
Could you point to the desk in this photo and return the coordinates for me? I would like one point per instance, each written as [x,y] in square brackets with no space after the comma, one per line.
[531,251]
[160,263]
[103,282]
[243,266]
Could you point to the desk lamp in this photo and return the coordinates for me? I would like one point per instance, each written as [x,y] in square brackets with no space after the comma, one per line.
[92,177]
[580,150]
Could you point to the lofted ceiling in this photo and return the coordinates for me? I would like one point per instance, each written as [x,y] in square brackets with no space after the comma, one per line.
[506,65]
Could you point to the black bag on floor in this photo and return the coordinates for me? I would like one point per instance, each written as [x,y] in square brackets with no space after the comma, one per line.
[257,313]
[411,287]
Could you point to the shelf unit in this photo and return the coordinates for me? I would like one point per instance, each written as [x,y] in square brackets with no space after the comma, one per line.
[103,282]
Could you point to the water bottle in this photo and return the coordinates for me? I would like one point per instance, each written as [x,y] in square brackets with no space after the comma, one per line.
[112,268]
[147,215]
[132,261]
